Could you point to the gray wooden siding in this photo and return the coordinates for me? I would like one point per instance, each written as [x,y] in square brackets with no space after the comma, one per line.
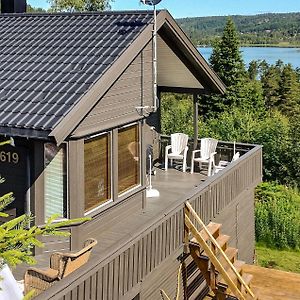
[172,72]
[118,106]
[237,221]
[123,270]
[164,277]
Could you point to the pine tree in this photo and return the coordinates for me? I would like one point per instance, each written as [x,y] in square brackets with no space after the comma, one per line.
[226,58]
[270,80]
[253,69]
[17,237]
[289,91]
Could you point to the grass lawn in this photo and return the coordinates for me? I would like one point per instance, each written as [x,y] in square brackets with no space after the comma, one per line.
[286,260]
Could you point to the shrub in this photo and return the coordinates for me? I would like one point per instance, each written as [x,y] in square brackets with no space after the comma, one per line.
[277,216]
[273,131]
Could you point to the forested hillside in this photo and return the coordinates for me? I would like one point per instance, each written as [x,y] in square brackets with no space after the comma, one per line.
[267,29]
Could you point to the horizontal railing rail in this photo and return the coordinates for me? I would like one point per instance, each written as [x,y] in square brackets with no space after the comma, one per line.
[111,275]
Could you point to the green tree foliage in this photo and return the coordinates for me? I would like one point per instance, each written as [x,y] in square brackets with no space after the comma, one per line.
[79,5]
[270,79]
[227,62]
[277,216]
[226,58]
[289,91]
[177,112]
[272,130]
[17,238]
[281,88]
[32,9]
[253,69]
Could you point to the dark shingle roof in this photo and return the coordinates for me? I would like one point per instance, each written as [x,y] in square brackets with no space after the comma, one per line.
[48,61]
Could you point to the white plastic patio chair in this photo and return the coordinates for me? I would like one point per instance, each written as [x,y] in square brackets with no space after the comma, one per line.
[178,149]
[207,153]
[223,163]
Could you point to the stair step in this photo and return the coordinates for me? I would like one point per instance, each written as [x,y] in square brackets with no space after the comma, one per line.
[247,278]
[255,291]
[213,228]
[222,240]
[238,264]
[231,253]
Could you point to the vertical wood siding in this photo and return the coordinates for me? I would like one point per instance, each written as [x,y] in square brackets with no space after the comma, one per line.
[133,265]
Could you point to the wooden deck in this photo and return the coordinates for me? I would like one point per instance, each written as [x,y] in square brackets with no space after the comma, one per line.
[272,284]
[173,186]
[133,241]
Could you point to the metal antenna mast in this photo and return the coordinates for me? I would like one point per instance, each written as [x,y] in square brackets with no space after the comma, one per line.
[154,3]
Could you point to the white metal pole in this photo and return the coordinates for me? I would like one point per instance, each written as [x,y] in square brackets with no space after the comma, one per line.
[150,172]
[233,147]
[155,61]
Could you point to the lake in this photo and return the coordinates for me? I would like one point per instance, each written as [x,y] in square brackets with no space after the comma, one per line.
[270,54]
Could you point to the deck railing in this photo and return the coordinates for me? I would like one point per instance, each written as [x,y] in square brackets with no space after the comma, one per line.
[112,275]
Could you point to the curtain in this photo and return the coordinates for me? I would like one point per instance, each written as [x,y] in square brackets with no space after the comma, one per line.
[97,171]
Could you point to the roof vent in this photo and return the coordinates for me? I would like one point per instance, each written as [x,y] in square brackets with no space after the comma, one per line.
[13,6]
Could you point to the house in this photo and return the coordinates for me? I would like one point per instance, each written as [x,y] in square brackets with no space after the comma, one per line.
[76,96]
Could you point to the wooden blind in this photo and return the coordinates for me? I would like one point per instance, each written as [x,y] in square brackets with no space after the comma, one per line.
[55,180]
[97,171]
[128,158]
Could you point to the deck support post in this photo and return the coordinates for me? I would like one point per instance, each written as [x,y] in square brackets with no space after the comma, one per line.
[195,119]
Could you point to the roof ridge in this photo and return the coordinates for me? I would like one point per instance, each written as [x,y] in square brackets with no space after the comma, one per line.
[97,13]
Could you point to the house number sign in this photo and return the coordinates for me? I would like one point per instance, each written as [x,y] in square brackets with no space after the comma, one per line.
[9,157]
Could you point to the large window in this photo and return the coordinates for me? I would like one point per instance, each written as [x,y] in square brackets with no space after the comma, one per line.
[55,180]
[97,171]
[128,158]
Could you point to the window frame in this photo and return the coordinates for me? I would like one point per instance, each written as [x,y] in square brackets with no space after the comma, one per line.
[115,196]
[108,201]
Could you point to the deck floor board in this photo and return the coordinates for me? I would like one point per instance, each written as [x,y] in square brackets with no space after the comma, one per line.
[173,186]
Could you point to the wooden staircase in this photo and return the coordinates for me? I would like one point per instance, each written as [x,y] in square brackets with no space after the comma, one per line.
[216,260]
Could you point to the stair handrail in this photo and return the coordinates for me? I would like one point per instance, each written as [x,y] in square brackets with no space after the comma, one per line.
[213,240]
[214,259]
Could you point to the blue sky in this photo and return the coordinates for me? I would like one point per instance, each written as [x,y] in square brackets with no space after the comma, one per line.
[190,8]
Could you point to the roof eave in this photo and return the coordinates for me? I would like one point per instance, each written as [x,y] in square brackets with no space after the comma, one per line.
[25,132]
